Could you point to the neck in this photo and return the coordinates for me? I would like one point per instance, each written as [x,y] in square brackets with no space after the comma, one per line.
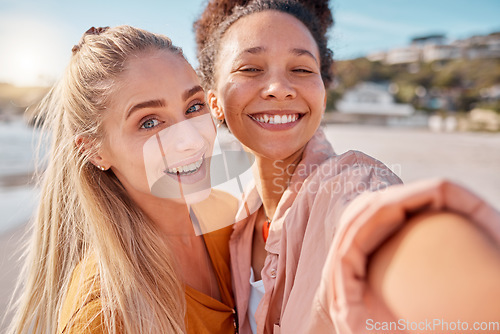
[272,179]
[170,217]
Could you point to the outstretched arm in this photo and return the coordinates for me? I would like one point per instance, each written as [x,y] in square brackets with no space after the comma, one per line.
[438,266]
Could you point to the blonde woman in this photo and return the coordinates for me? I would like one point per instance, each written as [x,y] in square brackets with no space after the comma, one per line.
[114,248]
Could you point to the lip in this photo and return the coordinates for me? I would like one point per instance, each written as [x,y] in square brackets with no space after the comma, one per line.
[186,161]
[188,169]
[277,126]
[192,176]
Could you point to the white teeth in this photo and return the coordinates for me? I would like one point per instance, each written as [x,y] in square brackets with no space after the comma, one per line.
[276,119]
[187,169]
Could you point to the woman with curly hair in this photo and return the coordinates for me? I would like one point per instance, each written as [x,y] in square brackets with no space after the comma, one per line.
[331,243]
[114,247]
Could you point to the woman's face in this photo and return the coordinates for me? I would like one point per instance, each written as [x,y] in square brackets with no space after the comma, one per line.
[268,84]
[158,132]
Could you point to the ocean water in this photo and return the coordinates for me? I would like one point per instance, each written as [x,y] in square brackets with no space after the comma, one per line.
[17,198]
[16,206]
[17,142]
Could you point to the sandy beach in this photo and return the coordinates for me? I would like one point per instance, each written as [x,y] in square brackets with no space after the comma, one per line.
[472,159]
[468,158]
[10,248]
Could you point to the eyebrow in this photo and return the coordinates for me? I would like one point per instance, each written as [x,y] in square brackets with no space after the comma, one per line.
[255,50]
[304,52]
[295,51]
[146,104]
[190,92]
[159,103]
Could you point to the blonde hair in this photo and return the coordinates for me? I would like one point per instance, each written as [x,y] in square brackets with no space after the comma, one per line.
[86,212]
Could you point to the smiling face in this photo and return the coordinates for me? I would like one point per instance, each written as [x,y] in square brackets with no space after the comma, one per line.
[268,84]
[157,127]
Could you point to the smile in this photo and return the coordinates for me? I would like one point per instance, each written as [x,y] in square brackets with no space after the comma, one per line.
[186,169]
[275,119]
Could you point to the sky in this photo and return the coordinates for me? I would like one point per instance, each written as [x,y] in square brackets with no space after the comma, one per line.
[36,36]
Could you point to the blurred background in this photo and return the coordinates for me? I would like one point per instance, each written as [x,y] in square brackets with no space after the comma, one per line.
[417,86]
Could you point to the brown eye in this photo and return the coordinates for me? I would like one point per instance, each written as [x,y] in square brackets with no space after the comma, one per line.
[302,70]
[250,70]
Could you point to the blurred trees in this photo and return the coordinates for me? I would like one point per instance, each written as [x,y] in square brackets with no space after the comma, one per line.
[14,100]
[454,85]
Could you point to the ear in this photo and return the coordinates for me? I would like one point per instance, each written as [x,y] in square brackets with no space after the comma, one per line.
[87,146]
[215,108]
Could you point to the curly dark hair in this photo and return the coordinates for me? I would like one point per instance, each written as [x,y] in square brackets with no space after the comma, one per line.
[219,15]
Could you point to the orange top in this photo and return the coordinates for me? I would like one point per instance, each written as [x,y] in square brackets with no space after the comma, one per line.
[81,311]
[204,314]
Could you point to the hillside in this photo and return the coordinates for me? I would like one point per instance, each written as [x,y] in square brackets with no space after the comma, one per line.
[14,100]
[462,84]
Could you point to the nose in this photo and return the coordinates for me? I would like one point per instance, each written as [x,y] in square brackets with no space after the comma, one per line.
[279,87]
[185,137]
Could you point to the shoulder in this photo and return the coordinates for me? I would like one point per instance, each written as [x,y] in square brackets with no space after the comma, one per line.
[351,161]
[356,172]
[81,310]
[335,183]
[352,172]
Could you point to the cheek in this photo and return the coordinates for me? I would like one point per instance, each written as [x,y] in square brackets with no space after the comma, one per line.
[234,122]
[209,135]
[127,156]
[316,95]
[108,150]
[234,95]
[235,103]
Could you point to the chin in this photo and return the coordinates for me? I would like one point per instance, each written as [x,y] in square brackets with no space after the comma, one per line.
[197,197]
[278,152]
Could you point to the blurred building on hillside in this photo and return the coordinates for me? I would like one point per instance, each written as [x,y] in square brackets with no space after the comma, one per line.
[435,48]
[373,103]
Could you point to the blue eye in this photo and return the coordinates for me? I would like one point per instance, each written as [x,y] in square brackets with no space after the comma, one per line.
[150,123]
[195,108]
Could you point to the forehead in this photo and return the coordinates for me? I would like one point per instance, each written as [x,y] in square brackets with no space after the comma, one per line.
[159,64]
[267,29]
[156,72]
[153,75]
